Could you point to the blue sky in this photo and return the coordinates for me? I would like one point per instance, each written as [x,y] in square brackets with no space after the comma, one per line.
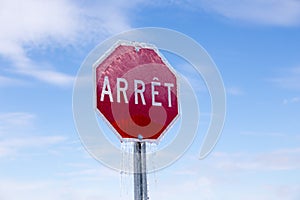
[256,46]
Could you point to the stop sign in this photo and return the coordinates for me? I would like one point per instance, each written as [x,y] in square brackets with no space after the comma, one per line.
[136,91]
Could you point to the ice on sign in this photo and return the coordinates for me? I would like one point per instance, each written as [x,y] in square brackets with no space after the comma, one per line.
[136,91]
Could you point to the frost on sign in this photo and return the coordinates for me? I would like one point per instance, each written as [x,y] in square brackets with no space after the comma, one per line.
[136,91]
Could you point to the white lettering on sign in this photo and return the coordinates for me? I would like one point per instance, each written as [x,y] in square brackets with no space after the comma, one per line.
[106,85]
[139,90]
[123,90]
[154,92]
[169,85]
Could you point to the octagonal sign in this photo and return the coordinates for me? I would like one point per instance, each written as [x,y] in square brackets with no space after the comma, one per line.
[136,91]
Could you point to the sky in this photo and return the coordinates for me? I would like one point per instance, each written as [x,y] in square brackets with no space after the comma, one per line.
[255,45]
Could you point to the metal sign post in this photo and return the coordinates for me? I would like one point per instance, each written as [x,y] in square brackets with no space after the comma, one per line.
[140,175]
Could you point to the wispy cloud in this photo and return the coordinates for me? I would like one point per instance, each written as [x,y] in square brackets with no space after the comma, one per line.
[263,134]
[17,134]
[267,12]
[292,100]
[11,147]
[285,191]
[284,159]
[234,91]
[53,189]
[289,80]
[201,185]
[8,81]
[12,121]
[37,24]
[90,173]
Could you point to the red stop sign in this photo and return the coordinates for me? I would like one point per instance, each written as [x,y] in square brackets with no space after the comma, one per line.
[136,91]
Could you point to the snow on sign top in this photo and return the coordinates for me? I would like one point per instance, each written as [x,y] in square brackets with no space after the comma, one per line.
[136,91]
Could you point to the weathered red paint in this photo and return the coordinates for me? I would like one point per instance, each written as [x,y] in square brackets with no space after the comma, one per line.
[139,97]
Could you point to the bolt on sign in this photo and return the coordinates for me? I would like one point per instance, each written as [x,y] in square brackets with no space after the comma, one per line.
[136,91]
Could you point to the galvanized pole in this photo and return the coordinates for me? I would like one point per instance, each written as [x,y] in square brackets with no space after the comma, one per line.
[140,175]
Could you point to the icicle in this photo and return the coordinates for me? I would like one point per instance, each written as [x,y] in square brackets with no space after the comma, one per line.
[126,169]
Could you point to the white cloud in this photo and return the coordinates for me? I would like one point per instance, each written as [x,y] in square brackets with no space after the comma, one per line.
[35,24]
[284,191]
[263,12]
[13,146]
[284,159]
[195,186]
[292,100]
[48,76]
[235,91]
[11,189]
[267,12]
[17,134]
[14,125]
[14,120]
[209,179]
[260,134]
[90,173]
[8,81]
[289,80]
